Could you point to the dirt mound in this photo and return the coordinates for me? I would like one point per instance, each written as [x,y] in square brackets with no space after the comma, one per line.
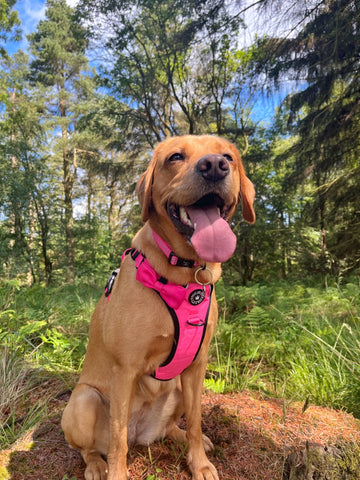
[255,438]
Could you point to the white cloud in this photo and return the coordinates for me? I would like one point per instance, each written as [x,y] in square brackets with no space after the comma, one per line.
[31,12]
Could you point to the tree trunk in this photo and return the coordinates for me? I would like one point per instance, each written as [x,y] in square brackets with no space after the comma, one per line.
[68,182]
[246,262]
[31,274]
[112,211]
[44,228]
[90,194]
[322,221]
[16,228]
[316,461]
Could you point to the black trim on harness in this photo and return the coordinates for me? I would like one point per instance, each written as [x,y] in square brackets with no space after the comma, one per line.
[176,334]
[206,320]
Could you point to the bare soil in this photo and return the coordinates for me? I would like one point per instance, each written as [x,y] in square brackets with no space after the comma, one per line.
[252,434]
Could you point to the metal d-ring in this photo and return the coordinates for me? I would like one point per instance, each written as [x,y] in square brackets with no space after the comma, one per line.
[202,269]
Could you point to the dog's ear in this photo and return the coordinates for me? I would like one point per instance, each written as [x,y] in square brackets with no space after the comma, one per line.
[247,195]
[144,190]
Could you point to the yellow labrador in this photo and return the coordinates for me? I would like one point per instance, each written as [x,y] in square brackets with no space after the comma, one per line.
[188,194]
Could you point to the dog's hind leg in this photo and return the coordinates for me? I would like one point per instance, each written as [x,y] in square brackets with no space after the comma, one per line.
[85,423]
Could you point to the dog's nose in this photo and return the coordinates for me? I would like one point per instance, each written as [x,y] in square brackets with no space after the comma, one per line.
[213,167]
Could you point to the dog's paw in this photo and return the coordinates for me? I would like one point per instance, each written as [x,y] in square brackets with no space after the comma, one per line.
[206,472]
[96,470]
[200,466]
[208,445]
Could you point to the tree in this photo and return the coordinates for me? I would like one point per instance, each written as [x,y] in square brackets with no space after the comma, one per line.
[8,21]
[28,183]
[172,64]
[325,116]
[58,67]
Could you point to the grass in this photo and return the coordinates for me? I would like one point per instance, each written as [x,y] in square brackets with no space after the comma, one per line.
[298,341]
[17,381]
[43,333]
[292,340]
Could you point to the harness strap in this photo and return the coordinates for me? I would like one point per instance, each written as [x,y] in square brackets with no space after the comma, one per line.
[171,293]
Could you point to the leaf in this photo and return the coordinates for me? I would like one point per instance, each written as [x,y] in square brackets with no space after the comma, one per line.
[32,327]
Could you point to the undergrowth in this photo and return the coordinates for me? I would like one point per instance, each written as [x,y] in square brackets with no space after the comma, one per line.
[299,341]
[48,326]
[43,334]
[294,340]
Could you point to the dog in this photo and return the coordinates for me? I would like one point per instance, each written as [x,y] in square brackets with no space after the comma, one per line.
[124,396]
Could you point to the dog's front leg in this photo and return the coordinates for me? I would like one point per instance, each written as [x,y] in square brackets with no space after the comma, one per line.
[192,380]
[121,399]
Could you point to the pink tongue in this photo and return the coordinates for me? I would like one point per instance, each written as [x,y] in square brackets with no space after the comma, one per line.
[213,239]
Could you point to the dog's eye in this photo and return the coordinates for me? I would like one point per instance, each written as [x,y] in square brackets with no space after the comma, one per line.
[228,157]
[176,157]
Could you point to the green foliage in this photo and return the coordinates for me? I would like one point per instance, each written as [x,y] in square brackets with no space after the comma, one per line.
[289,339]
[324,119]
[58,45]
[48,326]
[292,339]
[73,142]
[175,64]
[9,20]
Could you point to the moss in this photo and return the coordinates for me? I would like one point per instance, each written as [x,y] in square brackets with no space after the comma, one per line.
[318,462]
[4,474]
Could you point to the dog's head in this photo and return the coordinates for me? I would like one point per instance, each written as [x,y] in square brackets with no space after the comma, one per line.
[191,189]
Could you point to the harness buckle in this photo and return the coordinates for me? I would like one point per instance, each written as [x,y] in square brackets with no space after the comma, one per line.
[110,282]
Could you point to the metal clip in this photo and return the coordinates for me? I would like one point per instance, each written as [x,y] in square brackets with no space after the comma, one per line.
[202,269]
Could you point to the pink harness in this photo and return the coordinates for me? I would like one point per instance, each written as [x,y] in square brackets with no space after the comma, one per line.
[188,306]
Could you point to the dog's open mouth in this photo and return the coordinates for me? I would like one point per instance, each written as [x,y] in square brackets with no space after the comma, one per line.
[180,215]
[205,225]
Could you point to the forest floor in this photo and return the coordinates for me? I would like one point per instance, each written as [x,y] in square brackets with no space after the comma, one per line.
[252,435]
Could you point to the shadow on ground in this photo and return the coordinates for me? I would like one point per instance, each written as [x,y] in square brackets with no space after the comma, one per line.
[50,458]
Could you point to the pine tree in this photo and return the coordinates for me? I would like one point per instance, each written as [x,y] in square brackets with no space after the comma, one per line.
[325,117]
[9,21]
[59,68]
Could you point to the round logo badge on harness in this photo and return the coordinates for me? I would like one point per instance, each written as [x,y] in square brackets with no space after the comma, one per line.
[197,296]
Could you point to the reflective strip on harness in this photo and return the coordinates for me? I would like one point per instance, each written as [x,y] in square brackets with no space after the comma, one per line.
[189,309]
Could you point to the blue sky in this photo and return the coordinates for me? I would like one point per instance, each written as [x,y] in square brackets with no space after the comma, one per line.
[30,13]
